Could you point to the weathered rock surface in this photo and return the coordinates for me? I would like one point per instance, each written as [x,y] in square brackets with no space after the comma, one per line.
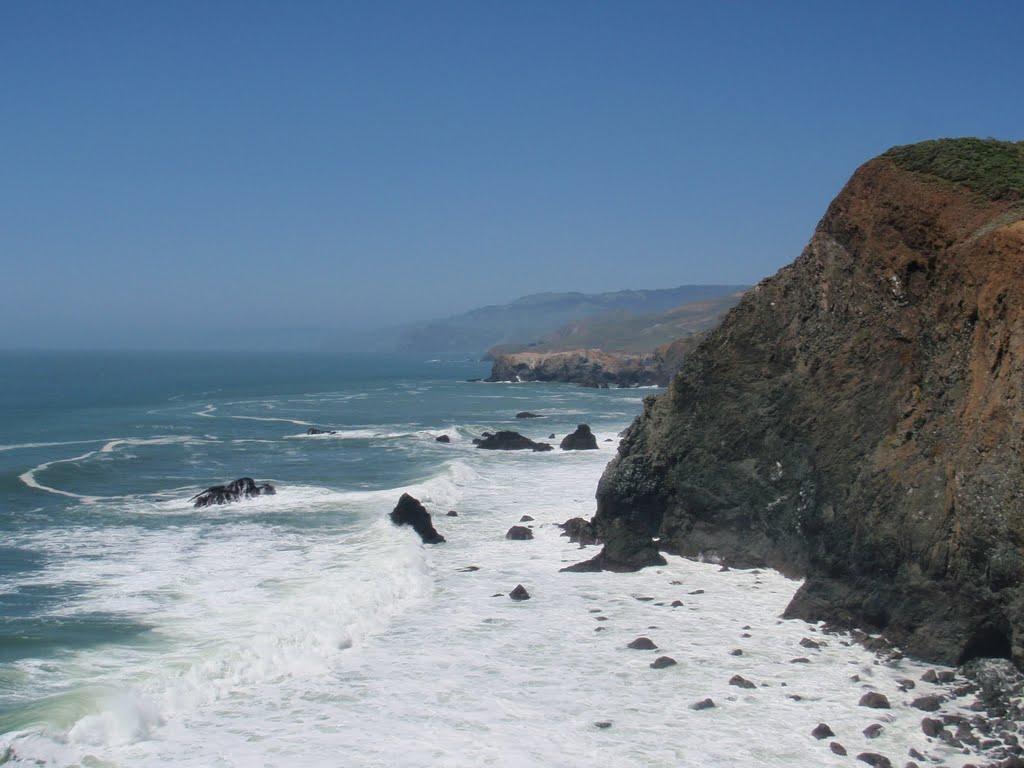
[589,367]
[580,440]
[506,440]
[579,531]
[519,593]
[519,533]
[442,439]
[236,490]
[856,419]
[409,511]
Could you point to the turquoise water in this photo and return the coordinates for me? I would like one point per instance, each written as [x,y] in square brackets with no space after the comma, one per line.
[104,562]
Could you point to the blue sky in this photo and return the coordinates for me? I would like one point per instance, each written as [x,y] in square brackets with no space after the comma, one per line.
[195,174]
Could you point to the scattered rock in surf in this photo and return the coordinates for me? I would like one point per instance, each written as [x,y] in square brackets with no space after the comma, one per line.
[603,724]
[822,731]
[697,592]
[519,533]
[837,748]
[800,660]
[506,440]
[703,704]
[528,415]
[873,731]
[315,431]
[519,593]
[741,682]
[874,759]
[525,519]
[409,511]
[551,436]
[608,440]
[874,700]
[808,643]
[451,513]
[442,439]
[242,488]
[580,440]
[663,661]
[736,652]
[579,531]
[906,684]
[642,644]
[469,569]
[932,727]
[927,703]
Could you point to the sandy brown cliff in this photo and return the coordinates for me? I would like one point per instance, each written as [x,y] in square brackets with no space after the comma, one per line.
[857,419]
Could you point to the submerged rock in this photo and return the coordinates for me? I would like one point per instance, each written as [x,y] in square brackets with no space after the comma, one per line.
[409,511]
[642,644]
[236,490]
[442,439]
[703,704]
[519,533]
[528,415]
[580,440]
[315,431]
[663,661]
[507,440]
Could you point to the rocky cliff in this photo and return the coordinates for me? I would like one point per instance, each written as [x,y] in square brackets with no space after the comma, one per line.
[857,419]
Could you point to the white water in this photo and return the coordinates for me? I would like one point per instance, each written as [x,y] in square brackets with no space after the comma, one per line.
[362,647]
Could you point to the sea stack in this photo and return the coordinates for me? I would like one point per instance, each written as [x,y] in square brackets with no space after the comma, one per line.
[409,511]
[857,419]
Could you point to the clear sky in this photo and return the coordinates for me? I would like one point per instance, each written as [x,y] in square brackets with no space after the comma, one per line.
[195,174]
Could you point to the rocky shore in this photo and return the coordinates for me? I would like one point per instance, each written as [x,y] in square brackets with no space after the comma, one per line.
[856,419]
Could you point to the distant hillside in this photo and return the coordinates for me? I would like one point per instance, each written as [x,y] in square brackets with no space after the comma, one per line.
[536,317]
[625,331]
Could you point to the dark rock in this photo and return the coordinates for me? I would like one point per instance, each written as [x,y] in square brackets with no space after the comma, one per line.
[800,660]
[519,533]
[663,661]
[873,731]
[579,531]
[451,513]
[822,731]
[519,593]
[808,643]
[703,704]
[677,603]
[930,677]
[528,415]
[525,519]
[315,431]
[580,440]
[603,724]
[551,436]
[506,440]
[837,748]
[854,420]
[623,551]
[874,700]
[642,644]
[927,703]
[242,488]
[409,511]
[697,592]
[741,682]
[442,439]
[469,569]
[875,759]
[931,727]
[736,652]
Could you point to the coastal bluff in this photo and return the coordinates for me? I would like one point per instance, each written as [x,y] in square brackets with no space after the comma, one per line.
[857,419]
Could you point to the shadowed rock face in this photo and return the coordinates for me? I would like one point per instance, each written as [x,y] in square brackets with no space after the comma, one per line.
[507,440]
[580,440]
[236,490]
[857,419]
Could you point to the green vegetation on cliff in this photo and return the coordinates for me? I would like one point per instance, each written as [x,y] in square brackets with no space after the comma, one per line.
[990,167]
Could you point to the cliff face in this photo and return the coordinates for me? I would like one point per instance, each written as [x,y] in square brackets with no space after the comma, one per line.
[857,419]
[589,367]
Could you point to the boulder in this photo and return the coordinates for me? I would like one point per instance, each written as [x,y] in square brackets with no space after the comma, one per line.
[528,415]
[874,759]
[927,703]
[580,440]
[642,644]
[874,700]
[579,531]
[519,593]
[822,731]
[837,748]
[315,431]
[410,511]
[931,727]
[703,704]
[741,682]
[525,519]
[873,731]
[625,549]
[663,661]
[507,440]
[236,490]
[519,533]
[451,513]
[443,439]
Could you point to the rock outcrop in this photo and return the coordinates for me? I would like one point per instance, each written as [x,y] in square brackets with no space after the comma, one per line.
[236,490]
[589,367]
[409,511]
[857,419]
[580,440]
[506,440]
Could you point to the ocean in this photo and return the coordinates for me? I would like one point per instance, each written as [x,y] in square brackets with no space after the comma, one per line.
[303,629]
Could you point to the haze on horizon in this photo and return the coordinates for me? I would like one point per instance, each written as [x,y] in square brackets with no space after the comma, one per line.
[247,173]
